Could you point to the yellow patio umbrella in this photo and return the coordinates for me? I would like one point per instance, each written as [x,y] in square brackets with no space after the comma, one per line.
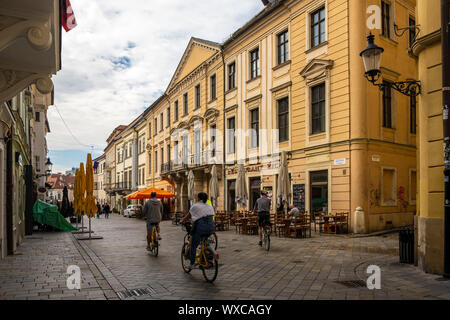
[75,193]
[76,197]
[90,207]
[81,194]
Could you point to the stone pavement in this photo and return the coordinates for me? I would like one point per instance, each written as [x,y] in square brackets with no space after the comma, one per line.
[294,269]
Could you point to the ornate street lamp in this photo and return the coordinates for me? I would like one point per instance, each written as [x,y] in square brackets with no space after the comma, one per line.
[48,169]
[371,56]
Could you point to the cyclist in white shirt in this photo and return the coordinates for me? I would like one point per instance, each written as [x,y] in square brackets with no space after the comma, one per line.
[202,215]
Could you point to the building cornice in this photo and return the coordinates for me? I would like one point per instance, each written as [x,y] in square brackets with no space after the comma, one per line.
[426,41]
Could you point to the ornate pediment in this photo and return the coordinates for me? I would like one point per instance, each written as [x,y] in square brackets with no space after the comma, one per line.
[183,125]
[316,69]
[211,114]
[197,52]
[195,119]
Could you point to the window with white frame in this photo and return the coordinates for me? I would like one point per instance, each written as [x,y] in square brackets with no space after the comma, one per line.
[318,27]
[213,81]
[283,47]
[385,19]
[254,128]
[254,63]
[318,109]
[232,75]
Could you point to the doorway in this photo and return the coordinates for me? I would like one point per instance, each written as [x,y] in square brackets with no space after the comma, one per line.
[319,191]
[231,187]
[255,191]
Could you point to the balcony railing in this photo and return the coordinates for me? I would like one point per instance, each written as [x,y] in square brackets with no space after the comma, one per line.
[166,167]
[119,186]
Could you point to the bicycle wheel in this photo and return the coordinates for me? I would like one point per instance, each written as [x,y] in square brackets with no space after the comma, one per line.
[213,241]
[266,241]
[185,261]
[155,247]
[210,272]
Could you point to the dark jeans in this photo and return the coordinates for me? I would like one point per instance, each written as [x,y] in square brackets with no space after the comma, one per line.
[202,228]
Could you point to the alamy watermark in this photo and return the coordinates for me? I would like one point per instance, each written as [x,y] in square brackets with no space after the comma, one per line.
[374,280]
[74,279]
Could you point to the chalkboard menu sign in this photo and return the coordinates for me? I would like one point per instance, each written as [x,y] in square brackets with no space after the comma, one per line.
[299,196]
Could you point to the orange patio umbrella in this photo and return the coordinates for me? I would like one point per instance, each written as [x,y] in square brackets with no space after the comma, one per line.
[145,194]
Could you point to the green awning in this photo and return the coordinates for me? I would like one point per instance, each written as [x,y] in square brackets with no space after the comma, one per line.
[48,214]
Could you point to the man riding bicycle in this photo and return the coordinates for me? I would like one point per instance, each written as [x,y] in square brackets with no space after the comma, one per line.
[262,207]
[203,224]
[153,210]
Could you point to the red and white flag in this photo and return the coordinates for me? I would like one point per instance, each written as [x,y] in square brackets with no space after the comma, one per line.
[68,17]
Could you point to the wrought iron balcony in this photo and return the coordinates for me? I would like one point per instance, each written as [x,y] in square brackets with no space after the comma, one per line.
[121,186]
[166,167]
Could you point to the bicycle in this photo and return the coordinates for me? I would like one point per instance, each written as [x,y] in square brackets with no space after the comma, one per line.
[206,256]
[154,244]
[267,230]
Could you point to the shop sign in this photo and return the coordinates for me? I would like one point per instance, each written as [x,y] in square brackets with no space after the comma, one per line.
[339,162]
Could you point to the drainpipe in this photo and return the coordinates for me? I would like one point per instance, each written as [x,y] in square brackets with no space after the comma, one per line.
[445,34]
[9,195]
[224,181]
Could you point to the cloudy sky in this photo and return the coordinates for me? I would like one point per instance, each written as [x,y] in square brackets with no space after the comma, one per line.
[120,59]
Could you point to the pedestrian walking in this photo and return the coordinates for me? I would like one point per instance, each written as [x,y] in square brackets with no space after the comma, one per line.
[106,210]
[99,210]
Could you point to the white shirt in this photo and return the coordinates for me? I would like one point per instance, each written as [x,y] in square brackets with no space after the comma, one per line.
[200,210]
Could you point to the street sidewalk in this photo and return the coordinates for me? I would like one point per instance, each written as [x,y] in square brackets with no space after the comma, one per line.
[324,267]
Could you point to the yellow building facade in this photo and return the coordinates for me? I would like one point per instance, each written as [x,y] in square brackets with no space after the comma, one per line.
[430,220]
[184,124]
[292,80]
[293,73]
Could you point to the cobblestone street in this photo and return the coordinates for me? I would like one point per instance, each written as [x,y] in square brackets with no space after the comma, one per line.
[293,269]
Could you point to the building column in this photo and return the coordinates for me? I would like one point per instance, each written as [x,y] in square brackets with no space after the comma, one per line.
[358,111]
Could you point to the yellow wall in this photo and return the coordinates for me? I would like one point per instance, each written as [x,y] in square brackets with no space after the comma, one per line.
[430,241]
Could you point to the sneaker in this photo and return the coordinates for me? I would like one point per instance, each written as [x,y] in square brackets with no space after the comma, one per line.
[191,266]
[149,249]
[159,238]
[260,243]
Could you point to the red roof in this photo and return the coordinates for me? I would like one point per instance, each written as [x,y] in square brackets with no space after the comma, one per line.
[59,181]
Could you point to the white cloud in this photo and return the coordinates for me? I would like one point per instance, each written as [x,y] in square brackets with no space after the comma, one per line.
[94,94]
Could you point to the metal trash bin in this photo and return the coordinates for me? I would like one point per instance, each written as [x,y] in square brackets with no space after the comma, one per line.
[406,245]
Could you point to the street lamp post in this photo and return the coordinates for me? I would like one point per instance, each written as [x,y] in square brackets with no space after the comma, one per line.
[371,56]
[48,169]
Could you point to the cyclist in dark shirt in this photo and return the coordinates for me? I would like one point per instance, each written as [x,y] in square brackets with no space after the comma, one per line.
[262,207]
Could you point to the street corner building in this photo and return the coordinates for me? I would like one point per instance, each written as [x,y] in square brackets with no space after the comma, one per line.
[292,80]
[30,53]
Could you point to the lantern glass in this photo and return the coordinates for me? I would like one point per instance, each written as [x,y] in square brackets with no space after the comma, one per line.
[372,60]
[48,166]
